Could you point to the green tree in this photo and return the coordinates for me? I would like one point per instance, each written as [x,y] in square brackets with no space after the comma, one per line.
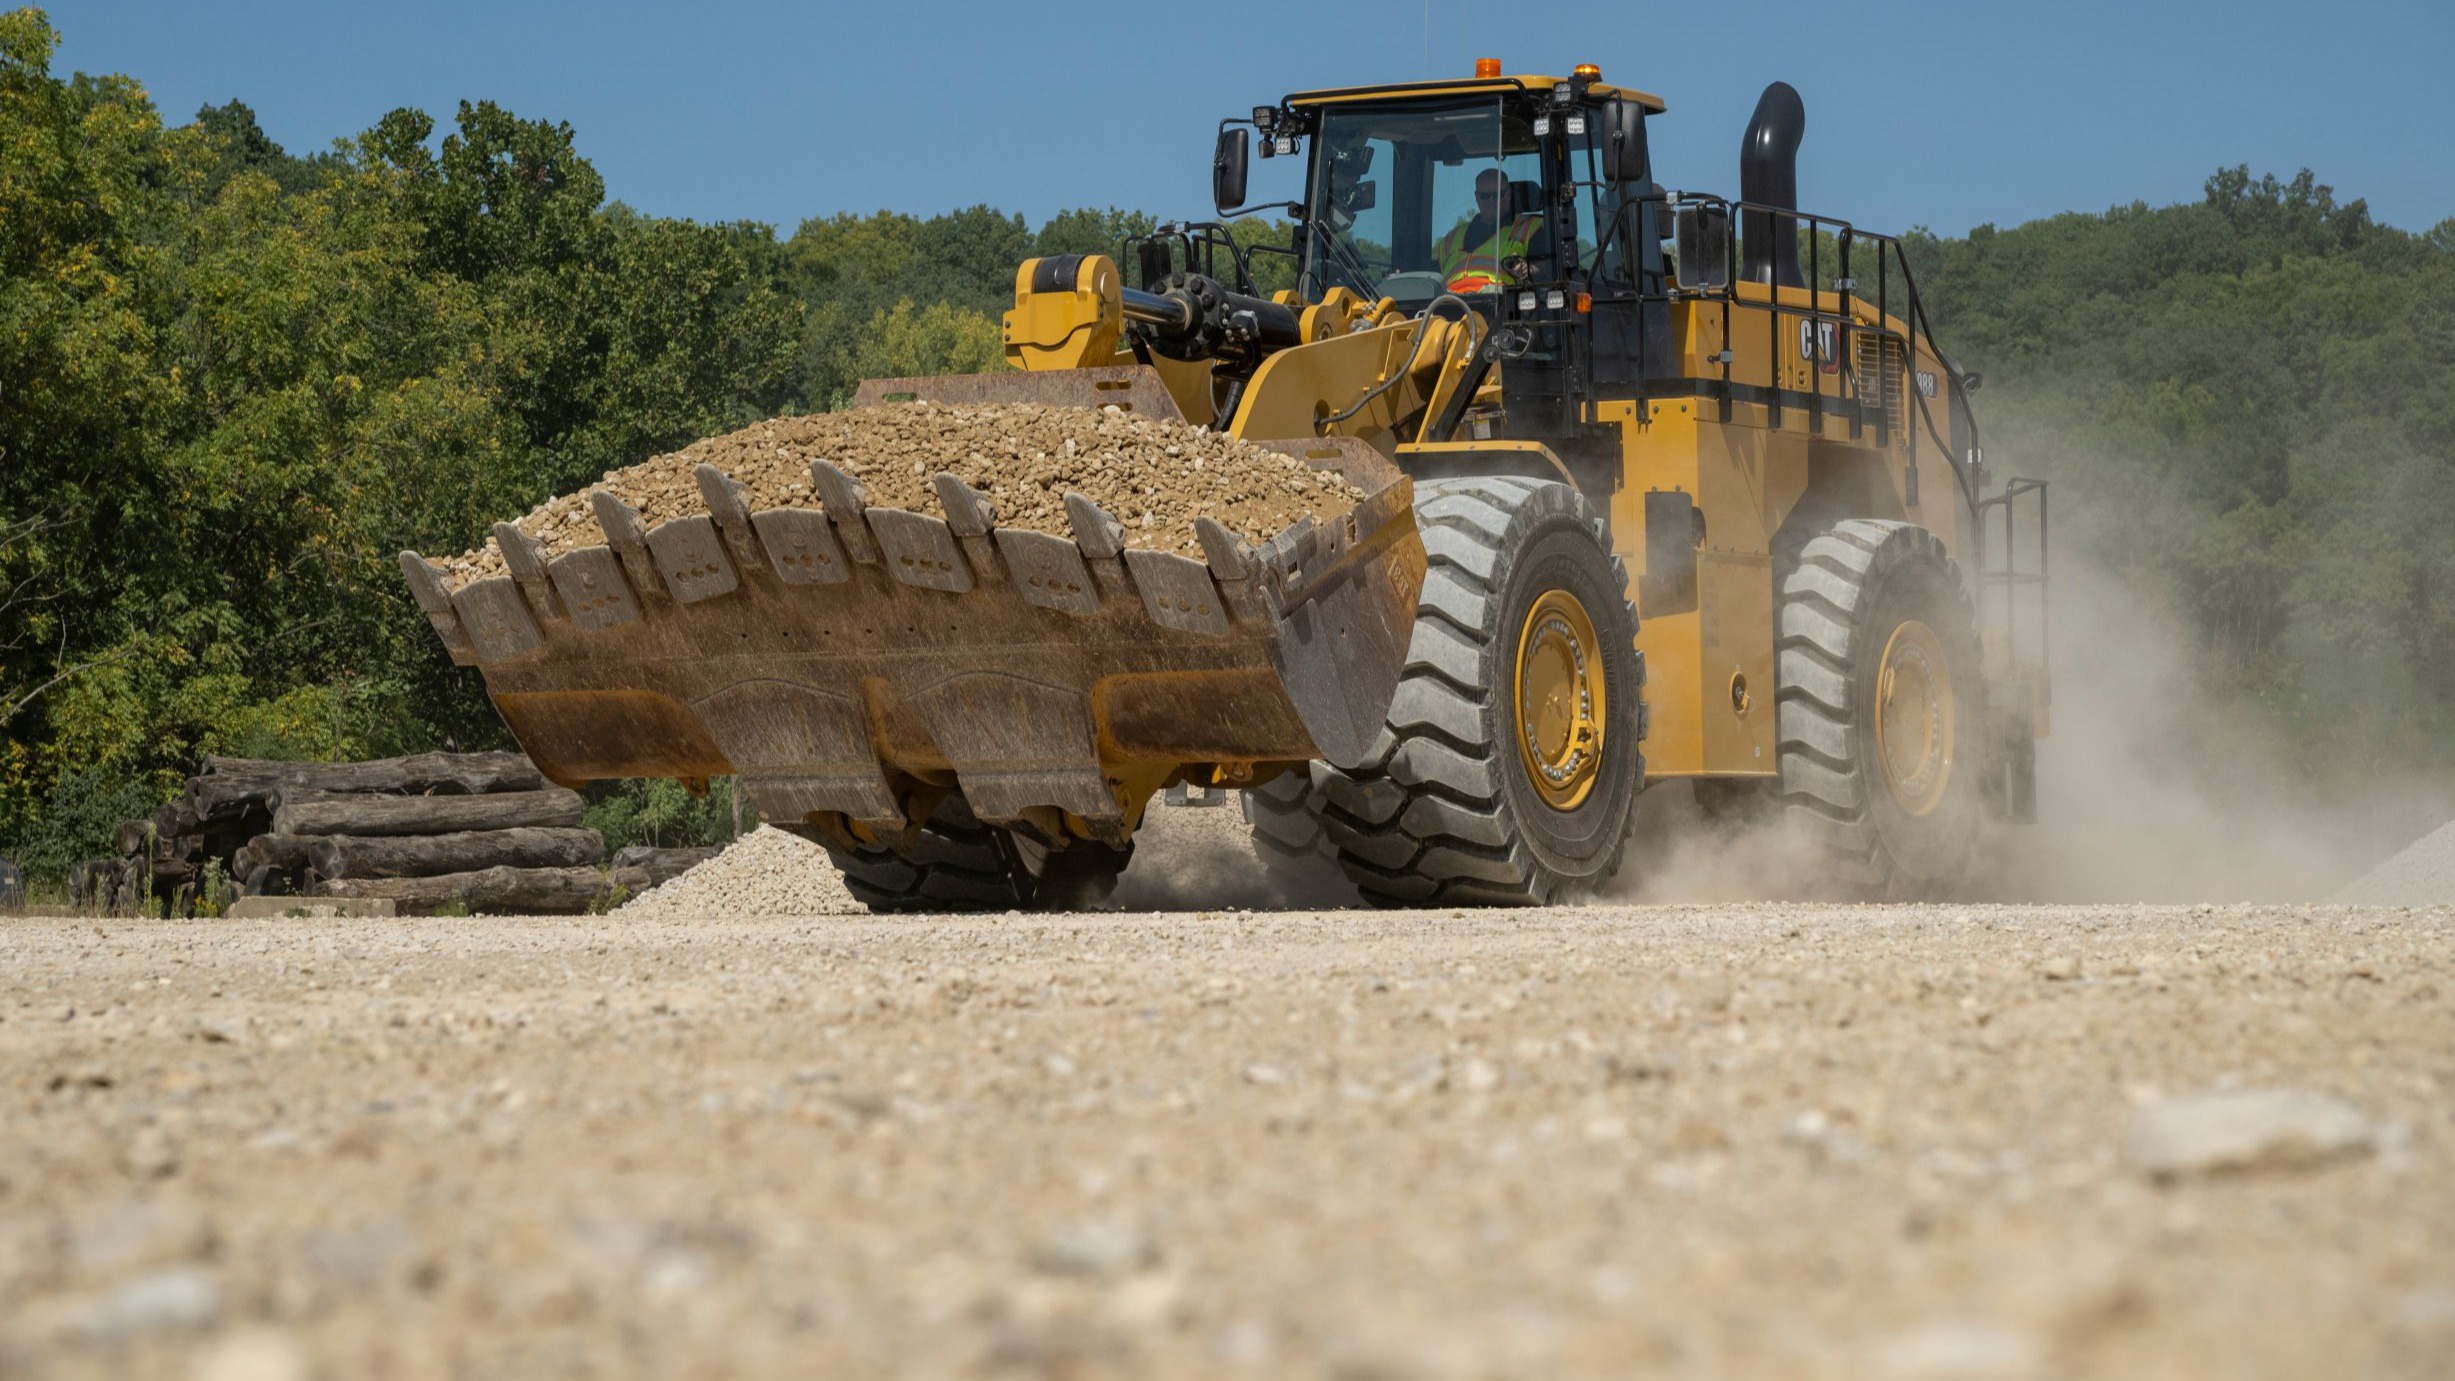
[233,385]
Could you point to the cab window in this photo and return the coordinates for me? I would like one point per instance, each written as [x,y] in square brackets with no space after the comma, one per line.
[1409,202]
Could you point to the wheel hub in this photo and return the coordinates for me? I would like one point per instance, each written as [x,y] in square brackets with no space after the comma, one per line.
[1559,694]
[1914,718]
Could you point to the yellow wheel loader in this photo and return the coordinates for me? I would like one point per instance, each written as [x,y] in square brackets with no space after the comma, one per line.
[1658,485]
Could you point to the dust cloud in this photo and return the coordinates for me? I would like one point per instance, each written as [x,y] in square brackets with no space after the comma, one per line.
[2155,785]
[1201,858]
[1679,853]
[2158,785]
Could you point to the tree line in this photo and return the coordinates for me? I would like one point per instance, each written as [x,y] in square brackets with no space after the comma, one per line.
[2248,403]
[234,380]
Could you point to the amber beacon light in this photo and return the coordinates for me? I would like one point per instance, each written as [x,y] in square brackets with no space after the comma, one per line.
[1588,72]
[1487,67]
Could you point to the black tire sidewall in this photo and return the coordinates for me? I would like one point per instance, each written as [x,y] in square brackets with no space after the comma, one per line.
[1930,850]
[1582,844]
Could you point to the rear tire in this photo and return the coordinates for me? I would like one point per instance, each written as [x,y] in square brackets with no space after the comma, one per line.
[957,864]
[1881,708]
[1524,613]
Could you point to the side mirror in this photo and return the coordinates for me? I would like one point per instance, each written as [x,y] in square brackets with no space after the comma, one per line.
[1228,167]
[1701,237]
[1624,141]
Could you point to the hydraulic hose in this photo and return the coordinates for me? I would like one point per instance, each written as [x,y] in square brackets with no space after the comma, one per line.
[1414,348]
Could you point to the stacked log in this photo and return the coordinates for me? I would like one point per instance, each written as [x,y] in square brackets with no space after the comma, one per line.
[663,865]
[436,855]
[326,812]
[508,891]
[482,831]
[230,788]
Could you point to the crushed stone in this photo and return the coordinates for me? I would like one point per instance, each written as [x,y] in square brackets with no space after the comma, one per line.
[2236,1131]
[2422,875]
[1156,476]
[766,872]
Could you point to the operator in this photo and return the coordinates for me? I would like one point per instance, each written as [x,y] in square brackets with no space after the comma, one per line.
[1471,255]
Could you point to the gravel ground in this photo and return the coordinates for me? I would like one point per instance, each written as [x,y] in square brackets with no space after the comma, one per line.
[1154,476]
[1728,1140]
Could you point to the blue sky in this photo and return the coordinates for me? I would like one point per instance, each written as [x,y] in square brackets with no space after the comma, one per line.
[1945,115]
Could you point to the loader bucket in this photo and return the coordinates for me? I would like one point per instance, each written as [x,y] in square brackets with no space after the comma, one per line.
[834,658]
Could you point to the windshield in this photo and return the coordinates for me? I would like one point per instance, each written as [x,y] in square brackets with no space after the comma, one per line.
[1416,200]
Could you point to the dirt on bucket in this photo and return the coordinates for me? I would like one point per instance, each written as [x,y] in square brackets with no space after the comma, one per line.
[1155,476]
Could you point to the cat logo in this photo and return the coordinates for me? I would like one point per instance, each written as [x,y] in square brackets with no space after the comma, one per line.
[1926,384]
[1817,342]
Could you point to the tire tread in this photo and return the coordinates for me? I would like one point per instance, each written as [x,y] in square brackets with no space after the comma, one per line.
[1426,819]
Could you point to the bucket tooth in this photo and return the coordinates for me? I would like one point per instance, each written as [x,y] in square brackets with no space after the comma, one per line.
[426,587]
[968,511]
[801,546]
[1102,539]
[1048,571]
[501,628]
[971,517]
[591,584]
[726,499]
[1286,558]
[1177,592]
[1232,565]
[845,501]
[1100,535]
[629,542]
[692,558]
[920,550]
[525,557]
[1223,549]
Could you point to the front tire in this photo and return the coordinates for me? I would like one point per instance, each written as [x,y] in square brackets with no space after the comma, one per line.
[1284,817]
[1508,770]
[1881,707]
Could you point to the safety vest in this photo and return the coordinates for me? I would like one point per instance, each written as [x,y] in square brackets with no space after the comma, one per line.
[1479,271]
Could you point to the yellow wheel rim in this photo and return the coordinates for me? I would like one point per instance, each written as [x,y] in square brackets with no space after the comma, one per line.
[1559,690]
[1914,718]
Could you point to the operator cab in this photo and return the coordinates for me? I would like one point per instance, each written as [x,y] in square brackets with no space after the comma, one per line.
[1511,197]
[1463,188]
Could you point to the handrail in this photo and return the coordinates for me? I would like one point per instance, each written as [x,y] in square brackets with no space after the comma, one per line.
[1890,251]
[2009,576]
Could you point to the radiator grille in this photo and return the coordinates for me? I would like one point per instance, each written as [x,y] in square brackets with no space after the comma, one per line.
[1878,371]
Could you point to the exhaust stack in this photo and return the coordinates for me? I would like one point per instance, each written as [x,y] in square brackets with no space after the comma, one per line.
[1769,176]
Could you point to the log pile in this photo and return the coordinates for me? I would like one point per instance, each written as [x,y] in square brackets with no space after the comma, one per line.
[663,865]
[484,831]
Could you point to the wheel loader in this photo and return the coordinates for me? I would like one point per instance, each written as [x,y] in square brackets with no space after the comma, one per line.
[1658,485]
